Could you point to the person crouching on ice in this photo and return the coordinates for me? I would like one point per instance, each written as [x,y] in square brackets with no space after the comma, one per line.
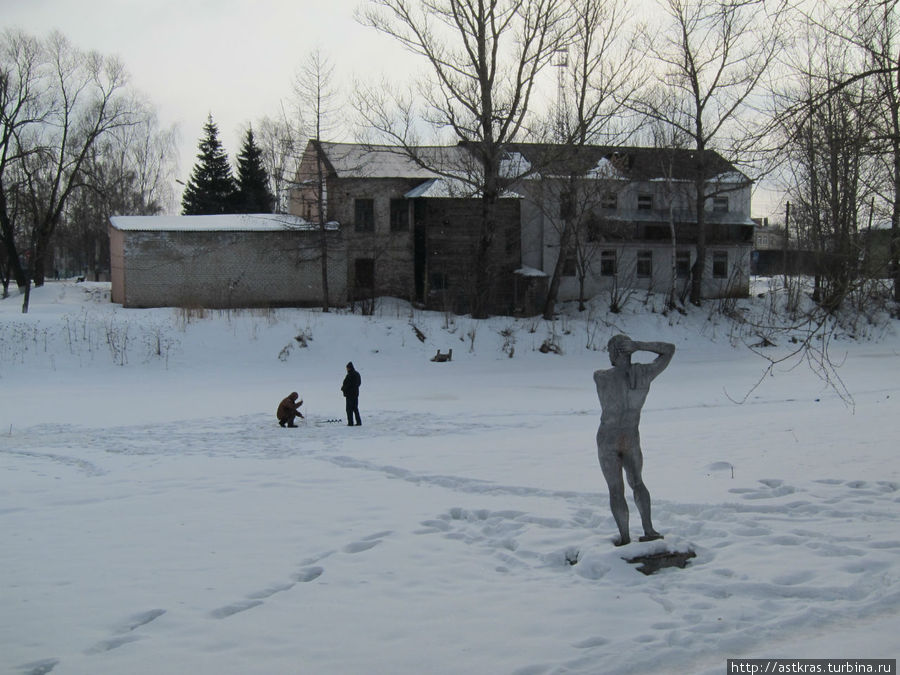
[289,409]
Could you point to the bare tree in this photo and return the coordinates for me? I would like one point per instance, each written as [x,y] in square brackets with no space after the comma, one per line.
[280,142]
[829,148]
[129,172]
[711,57]
[21,82]
[596,78]
[74,98]
[317,103]
[483,59]
[878,35]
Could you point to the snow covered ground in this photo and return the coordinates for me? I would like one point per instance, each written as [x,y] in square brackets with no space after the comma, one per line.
[155,519]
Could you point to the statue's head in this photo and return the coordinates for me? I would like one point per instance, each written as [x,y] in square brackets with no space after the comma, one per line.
[613,347]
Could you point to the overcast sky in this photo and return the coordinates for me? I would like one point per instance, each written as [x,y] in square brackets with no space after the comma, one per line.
[233,58]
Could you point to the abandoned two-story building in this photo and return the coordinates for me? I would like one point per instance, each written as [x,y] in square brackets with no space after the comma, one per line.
[410,226]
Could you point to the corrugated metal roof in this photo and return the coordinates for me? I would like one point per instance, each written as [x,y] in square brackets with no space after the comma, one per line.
[237,222]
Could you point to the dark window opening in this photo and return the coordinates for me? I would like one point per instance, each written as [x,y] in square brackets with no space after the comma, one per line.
[364,272]
[645,202]
[720,265]
[438,281]
[610,201]
[607,263]
[644,264]
[720,205]
[569,267]
[399,215]
[364,215]
[683,264]
[656,232]
[566,205]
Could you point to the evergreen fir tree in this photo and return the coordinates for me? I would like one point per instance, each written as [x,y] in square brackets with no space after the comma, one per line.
[253,193]
[211,187]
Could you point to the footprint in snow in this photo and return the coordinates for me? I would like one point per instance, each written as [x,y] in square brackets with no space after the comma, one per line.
[111,643]
[141,619]
[308,574]
[234,608]
[366,543]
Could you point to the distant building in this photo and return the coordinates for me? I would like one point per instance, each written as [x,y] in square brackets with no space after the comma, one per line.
[410,228]
[263,260]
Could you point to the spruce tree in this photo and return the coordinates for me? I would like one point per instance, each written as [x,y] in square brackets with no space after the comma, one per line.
[253,194]
[211,187]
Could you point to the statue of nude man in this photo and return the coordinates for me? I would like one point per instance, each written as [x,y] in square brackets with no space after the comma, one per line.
[622,391]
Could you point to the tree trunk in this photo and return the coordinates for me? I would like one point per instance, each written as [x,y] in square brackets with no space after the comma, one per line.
[894,263]
[700,263]
[323,221]
[673,288]
[553,289]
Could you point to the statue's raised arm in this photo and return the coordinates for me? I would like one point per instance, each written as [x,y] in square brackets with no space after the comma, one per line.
[665,351]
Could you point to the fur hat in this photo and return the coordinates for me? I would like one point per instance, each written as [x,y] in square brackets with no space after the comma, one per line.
[350,365]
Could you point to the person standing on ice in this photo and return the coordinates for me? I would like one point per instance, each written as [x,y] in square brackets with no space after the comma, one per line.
[350,389]
[289,409]
[622,391]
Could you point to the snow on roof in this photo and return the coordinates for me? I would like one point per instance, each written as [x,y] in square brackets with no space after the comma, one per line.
[232,222]
[531,272]
[730,177]
[448,188]
[354,160]
[605,169]
[514,165]
[435,188]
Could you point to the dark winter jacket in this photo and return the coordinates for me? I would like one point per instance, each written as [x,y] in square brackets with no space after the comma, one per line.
[289,408]
[350,388]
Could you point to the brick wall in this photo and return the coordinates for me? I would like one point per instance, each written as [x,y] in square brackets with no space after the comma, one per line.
[228,269]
